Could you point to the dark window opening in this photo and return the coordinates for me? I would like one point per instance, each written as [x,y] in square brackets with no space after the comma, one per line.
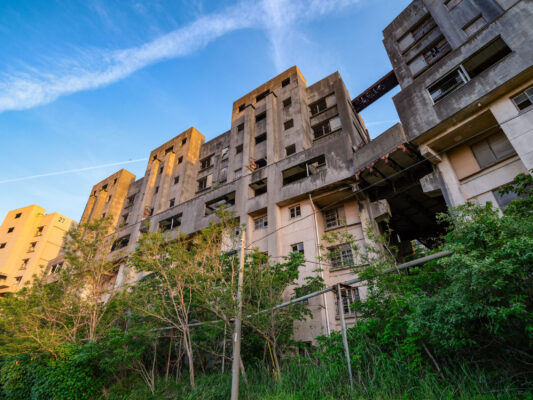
[261,116]
[180,160]
[288,124]
[168,150]
[161,170]
[24,264]
[287,102]
[17,215]
[240,128]
[131,200]
[242,107]
[349,297]
[39,231]
[170,223]
[492,149]
[261,138]
[303,170]
[183,141]
[156,189]
[262,95]
[437,51]
[227,200]
[524,99]
[285,82]
[334,217]
[124,219]
[32,247]
[203,183]
[238,149]
[326,127]
[341,256]
[206,163]
[3,245]
[260,223]
[10,230]
[115,181]
[318,106]
[297,248]
[259,187]
[291,149]
[172,202]
[260,163]
[56,268]
[120,243]
[154,157]
[104,187]
[176,180]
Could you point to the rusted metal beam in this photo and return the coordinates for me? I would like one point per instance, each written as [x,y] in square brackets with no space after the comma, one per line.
[374,92]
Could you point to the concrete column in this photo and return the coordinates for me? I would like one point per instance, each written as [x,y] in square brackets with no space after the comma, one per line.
[450,184]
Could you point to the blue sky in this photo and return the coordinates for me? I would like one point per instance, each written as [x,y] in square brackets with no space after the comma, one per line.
[89,87]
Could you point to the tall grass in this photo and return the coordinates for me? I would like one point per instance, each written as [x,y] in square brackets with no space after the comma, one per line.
[306,380]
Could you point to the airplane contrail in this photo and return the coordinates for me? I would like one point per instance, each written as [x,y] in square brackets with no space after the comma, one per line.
[71,171]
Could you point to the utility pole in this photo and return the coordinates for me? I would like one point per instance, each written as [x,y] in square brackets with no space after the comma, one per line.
[237,330]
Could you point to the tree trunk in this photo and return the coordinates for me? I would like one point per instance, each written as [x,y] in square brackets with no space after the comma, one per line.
[188,349]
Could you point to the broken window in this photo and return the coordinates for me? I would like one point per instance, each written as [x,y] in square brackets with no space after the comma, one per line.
[183,141]
[131,200]
[169,149]
[259,163]
[176,180]
[39,231]
[238,149]
[469,69]
[240,128]
[170,223]
[285,82]
[172,202]
[17,215]
[259,187]
[291,149]
[205,182]
[287,102]
[349,297]
[124,220]
[326,127]
[104,187]
[11,229]
[120,243]
[288,124]
[24,264]
[3,245]
[524,99]
[261,138]
[32,247]
[492,149]
[227,200]
[180,160]
[225,153]
[295,211]
[223,175]
[56,268]
[109,198]
[242,107]
[334,217]
[341,256]
[238,173]
[303,170]
[18,279]
[206,163]
[318,106]
[260,223]
[115,181]
[297,248]
[262,95]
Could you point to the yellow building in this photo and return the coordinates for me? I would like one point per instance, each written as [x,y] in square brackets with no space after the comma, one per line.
[29,238]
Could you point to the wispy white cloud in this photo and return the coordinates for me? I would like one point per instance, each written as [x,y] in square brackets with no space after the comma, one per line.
[376,123]
[97,68]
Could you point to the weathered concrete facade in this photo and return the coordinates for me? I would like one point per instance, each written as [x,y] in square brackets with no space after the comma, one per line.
[466,71]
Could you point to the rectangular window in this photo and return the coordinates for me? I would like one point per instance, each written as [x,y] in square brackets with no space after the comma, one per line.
[120,243]
[183,141]
[18,279]
[287,102]
[259,187]
[161,170]
[238,173]
[172,202]
[24,264]
[259,163]
[240,128]
[326,127]
[297,248]
[169,149]
[180,160]
[205,182]
[260,223]
[225,153]
[340,256]
[32,247]
[206,163]
[131,200]
[349,297]
[39,231]
[262,95]
[124,220]
[303,170]
[227,200]
[474,25]
[56,268]
[295,211]
[115,181]
[334,217]
[11,229]
[176,180]
[223,175]
[523,100]
[238,149]
[291,149]
[156,189]
[261,138]
[109,198]
[492,149]
[170,223]
[242,107]
[260,117]
[3,245]
[288,124]
[318,106]
[469,69]
[17,215]
[285,82]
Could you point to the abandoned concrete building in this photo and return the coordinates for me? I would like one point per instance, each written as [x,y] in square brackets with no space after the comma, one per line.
[298,160]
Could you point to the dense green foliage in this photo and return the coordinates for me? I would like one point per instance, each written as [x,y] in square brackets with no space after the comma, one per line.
[457,327]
